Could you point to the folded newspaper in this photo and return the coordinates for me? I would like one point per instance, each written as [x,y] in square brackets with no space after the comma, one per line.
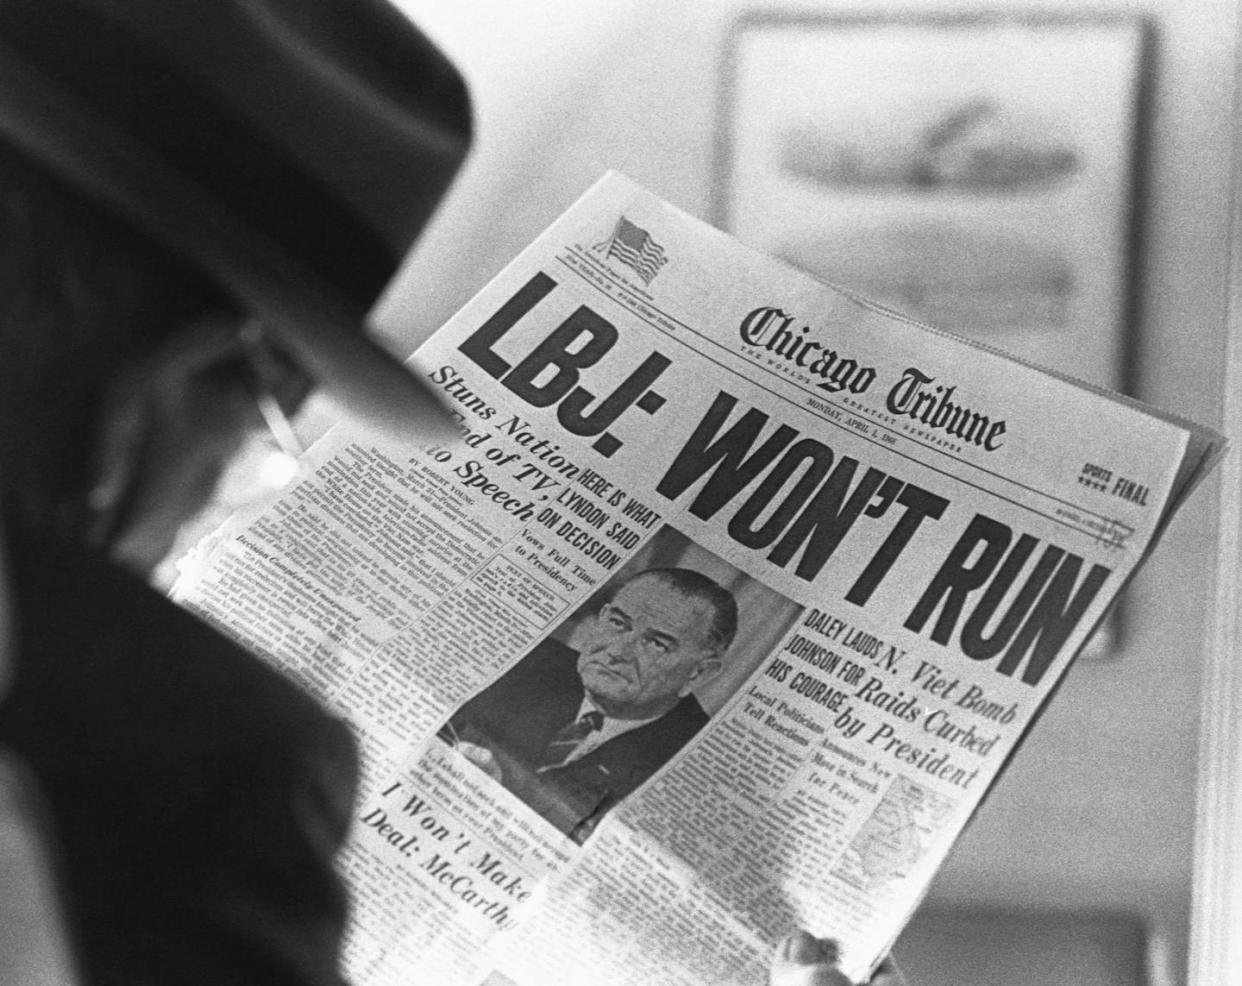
[724,613]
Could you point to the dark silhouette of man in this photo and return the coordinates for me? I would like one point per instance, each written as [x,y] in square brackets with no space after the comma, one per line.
[200,201]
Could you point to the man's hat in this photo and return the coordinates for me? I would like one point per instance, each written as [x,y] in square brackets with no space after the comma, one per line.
[291,149]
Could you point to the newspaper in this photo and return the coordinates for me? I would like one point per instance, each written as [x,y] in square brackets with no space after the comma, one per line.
[916,534]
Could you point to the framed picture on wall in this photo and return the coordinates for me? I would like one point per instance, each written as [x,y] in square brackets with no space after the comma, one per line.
[979,173]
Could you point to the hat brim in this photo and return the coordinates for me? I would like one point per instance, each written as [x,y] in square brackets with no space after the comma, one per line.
[323,329]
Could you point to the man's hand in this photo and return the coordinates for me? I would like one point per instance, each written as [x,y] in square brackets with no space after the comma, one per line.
[481,757]
[803,960]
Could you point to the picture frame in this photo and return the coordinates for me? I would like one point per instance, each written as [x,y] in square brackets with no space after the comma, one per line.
[981,173]
[977,172]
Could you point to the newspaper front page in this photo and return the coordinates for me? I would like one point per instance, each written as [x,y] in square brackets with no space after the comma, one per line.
[720,618]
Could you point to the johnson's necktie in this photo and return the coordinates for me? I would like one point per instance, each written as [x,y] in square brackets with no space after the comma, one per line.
[570,738]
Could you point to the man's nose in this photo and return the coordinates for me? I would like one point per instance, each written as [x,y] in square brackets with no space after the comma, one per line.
[620,647]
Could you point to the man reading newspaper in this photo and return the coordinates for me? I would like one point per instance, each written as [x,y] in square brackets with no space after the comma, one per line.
[163,288]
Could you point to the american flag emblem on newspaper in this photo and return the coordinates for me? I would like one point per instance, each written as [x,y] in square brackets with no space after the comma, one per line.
[635,248]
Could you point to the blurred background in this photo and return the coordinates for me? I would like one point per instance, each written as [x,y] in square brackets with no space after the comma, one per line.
[1080,866]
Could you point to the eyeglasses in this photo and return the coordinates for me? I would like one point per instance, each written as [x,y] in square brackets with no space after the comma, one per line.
[267,459]
[269,374]
[250,458]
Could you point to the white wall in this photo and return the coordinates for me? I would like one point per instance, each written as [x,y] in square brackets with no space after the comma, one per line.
[1097,809]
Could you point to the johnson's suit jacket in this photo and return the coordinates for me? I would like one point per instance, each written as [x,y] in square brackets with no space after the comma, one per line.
[196,798]
[522,711]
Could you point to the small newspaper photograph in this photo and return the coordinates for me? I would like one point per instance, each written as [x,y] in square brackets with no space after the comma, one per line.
[729,604]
